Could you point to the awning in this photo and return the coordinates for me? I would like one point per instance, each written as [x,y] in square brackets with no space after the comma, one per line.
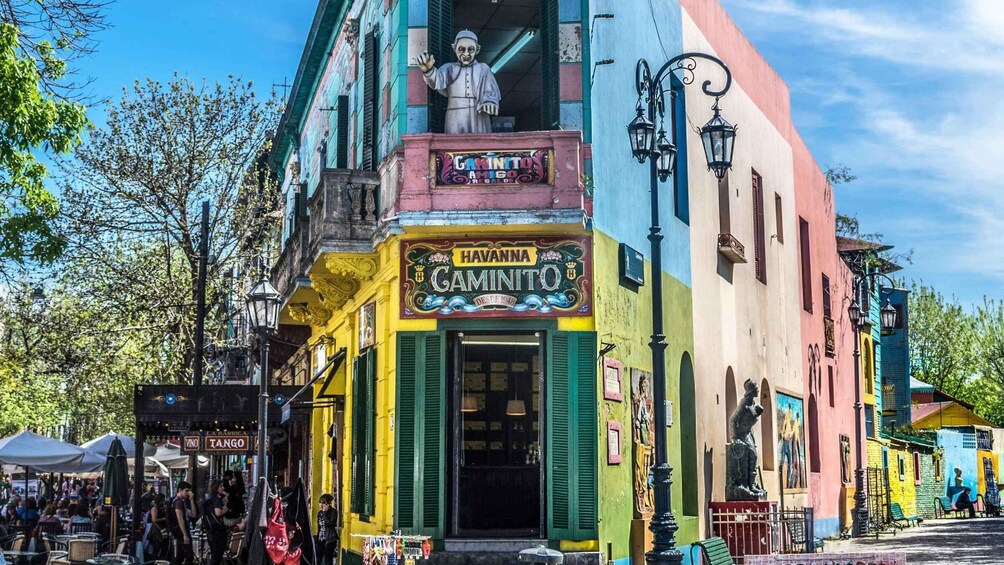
[329,369]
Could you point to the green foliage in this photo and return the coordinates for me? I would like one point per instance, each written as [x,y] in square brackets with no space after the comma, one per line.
[989,319]
[30,122]
[943,341]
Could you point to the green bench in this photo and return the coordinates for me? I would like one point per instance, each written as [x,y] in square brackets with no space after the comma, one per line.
[898,518]
[715,551]
[943,507]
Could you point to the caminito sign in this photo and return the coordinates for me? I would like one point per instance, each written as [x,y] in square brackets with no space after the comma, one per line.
[523,277]
[480,168]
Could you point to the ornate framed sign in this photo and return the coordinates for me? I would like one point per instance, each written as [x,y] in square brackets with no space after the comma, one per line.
[615,444]
[519,277]
[612,387]
[492,168]
[367,325]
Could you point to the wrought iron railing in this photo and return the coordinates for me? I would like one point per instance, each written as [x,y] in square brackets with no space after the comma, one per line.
[764,530]
[730,247]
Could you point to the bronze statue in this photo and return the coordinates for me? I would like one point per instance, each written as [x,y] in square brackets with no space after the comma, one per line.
[741,465]
[469,85]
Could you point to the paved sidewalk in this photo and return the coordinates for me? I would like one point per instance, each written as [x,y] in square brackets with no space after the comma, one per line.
[974,541]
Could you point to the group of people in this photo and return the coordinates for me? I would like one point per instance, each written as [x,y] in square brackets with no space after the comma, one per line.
[178,521]
[40,516]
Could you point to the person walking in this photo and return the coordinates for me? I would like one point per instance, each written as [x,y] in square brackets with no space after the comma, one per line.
[182,510]
[327,530]
[213,509]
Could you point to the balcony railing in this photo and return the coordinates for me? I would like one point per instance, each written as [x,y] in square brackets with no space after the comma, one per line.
[342,218]
[730,247]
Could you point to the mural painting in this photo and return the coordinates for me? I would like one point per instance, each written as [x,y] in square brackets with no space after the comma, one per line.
[791,423]
[642,434]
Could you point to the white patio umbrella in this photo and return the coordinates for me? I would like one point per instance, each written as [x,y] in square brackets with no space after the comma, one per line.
[30,450]
[101,445]
[170,456]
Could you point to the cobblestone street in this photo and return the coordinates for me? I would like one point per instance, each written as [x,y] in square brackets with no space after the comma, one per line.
[936,542]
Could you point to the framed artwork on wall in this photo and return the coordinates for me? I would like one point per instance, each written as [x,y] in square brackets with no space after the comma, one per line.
[615,444]
[367,325]
[791,425]
[612,387]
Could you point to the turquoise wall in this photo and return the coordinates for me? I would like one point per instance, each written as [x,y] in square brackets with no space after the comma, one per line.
[621,185]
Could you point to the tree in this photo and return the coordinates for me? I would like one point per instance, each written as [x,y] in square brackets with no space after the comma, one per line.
[138,184]
[990,335]
[30,122]
[944,343]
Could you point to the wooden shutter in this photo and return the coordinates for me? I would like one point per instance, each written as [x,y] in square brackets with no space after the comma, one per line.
[550,104]
[571,436]
[355,493]
[369,434]
[760,244]
[370,127]
[440,45]
[420,490]
[342,133]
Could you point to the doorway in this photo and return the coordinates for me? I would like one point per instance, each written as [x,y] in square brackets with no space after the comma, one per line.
[496,480]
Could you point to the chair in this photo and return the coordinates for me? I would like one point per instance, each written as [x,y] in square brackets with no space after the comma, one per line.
[7,542]
[943,507]
[45,530]
[232,556]
[715,552]
[80,549]
[39,559]
[57,556]
[80,527]
[896,511]
[796,535]
[19,543]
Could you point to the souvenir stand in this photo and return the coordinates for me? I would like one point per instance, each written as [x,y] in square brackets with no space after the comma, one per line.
[394,549]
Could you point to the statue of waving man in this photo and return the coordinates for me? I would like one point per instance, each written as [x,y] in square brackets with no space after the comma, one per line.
[469,86]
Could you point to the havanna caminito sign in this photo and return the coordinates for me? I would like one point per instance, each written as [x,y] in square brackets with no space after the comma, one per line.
[492,168]
[521,277]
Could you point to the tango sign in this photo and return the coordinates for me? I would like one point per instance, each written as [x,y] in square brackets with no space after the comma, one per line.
[494,168]
[532,277]
[228,443]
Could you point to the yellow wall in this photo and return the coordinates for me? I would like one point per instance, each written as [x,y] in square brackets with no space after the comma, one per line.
[902,488]
[868,371]
[981,485]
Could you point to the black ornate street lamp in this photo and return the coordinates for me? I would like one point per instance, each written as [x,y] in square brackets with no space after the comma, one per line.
[858,318]
[263,317]
[718,137]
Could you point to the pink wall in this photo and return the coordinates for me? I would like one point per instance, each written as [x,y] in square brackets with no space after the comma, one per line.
[814,202]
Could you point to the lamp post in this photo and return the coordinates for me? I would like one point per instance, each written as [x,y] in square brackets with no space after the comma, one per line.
[263,317]
[718,137]
[858,318]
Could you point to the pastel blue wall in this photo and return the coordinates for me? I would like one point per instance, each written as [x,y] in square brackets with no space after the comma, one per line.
[958,453]
[895,363]
[621,185]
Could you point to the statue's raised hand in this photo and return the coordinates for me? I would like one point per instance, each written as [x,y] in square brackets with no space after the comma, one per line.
[489,108]
[426,62]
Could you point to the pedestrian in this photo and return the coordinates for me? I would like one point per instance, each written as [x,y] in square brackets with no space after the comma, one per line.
[234,484]
[154,522]
[213,509]
[182,510]
[327,530]
[80,516]
[147,499]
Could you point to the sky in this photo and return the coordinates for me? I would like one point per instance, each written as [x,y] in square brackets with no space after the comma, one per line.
[905,93]
[909,96]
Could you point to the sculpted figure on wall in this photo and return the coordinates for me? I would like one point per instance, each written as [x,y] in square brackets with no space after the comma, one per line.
[643,432]
[472,94]
[741,465]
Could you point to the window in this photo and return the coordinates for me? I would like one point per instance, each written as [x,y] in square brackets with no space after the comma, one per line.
[829,381]
[814,447]
[916,468]
[363,434]
[803,248]
[901,463]
[371,96]
[829,331]
[759,244]
[899,316]
[937,468]
[778,218]
[826,297]
[870,421]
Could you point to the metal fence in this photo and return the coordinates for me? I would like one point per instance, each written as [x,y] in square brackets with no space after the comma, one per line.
[764,530]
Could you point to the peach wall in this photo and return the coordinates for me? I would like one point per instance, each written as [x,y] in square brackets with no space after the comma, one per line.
[813,200]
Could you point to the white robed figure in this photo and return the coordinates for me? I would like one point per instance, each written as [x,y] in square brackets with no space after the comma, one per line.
[472,94]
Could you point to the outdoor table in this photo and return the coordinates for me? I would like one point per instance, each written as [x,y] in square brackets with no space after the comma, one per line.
[19,557]
[99,560]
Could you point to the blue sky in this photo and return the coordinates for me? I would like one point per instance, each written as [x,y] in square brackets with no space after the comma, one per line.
[908,95]
[905,93]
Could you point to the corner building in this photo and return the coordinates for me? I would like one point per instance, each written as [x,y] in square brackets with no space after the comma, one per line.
[478,357]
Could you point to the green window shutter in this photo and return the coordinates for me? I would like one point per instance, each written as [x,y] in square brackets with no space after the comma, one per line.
[571,436]
[420,490]
[370,131]
[369,434]
[355,500]
[550,101]
[342,133]
[441,47]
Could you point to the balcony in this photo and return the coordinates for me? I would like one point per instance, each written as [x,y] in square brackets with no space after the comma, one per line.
[338,234]
[730,247]
[524,177]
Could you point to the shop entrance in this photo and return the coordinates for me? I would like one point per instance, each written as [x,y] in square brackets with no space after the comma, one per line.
[496,481]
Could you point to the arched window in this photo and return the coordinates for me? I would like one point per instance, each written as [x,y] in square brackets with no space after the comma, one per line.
[814,447]
[730,401]
[767,426]
[688,436]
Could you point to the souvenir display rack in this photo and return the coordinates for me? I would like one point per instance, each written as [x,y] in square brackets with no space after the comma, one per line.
[394,549]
